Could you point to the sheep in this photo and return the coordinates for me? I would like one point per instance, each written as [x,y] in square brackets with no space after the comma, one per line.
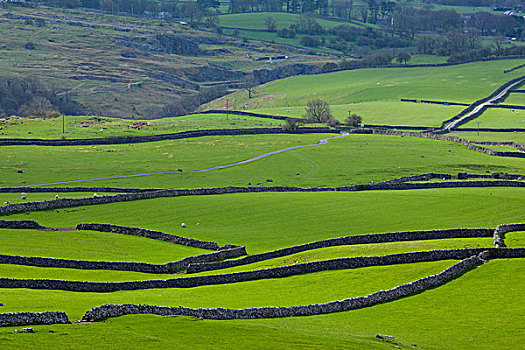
[6,203]
[57,196]
[95,195]
[183,225]
[23,198]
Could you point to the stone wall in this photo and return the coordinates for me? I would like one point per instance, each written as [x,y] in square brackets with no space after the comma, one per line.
[21,224]
[418,286]
[161,236]
[433,136]
[68,202]
[168,268]
[32,318]
[464,176]
[429,185]
[501,230]
[162,137]
[422,177]
[75,189]
[349,240]
[270,273]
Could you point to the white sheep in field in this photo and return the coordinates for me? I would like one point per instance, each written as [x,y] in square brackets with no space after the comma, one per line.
[183,225]
[6,203]
[23,198]
[95,195]
[57,196]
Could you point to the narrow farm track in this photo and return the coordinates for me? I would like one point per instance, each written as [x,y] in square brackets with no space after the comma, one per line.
[321,142]
[483,105]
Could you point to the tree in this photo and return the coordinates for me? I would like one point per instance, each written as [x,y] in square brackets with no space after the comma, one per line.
[191,11]
[353,120]
[205,4]
[318,111]
[39,106]
[291,124]
[403,56]
[270,23]
[249,83]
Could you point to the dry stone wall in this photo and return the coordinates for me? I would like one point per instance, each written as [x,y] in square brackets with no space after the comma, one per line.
[349,240]
[74,202]
[67,202]
[162,137]
[429,185]
[501,230]
[161,236]
[418,286]
[168,268]
[277,272]
[434,136]
[32,318]
[21,224]
[422,177]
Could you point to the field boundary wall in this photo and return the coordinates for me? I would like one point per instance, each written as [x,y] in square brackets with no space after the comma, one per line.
[74,202]
[32,318]
[373,238]
[105,311]
[270,273]
[141,232]
[168,268]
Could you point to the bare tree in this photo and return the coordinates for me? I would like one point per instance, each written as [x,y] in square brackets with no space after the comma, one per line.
[249,84]
[39,106]
[270,23]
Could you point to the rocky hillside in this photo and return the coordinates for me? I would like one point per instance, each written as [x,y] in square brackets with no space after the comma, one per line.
[128,66]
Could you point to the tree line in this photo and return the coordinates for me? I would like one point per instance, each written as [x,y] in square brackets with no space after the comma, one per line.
[26,96]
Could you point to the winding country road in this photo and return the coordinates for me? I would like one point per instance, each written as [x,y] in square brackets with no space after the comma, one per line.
[321,142]
[452,124]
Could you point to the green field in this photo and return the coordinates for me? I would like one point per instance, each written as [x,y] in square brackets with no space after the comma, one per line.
[517,98]
[282,20]
[381,112]
[369,88]
[480,309]
[298,218]
[350,160]
[518,137]
[97,127]
[498,118]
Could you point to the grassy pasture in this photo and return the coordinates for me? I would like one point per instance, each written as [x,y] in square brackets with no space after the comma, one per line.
[353,159]
[463,83]
[436,319]
[294,290]
[380,112]
[268,221]
[18,271]
[282,20]
[51,128]
[518,137]
[91,245]
[498,118]
[516,98]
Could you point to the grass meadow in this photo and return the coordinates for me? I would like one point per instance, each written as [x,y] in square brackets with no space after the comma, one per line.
[371,89]
[98,127]
[350,160]
[481,309]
